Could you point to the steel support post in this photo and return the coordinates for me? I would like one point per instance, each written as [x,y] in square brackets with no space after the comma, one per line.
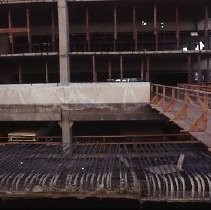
[88,30]
[46,72]
[11,37]
[135,29]
[189,69]
[94,73]
[115,28]
[177,28]
[148,69]
[121,67]
[206,28]
[199,69]
[155,27]
[19,73]
[142,69]
[109,69]
[28,30]
[53,39]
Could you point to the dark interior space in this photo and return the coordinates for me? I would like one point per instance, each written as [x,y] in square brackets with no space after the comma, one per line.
[163,69]
[24,71]
[41,129]
[91,128]
[94,204]
[123,128]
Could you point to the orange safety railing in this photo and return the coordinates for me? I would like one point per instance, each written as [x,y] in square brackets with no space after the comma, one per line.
[161,94]
[204,87]
[169,98]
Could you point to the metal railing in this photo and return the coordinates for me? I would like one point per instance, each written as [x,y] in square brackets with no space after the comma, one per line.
[169,93]
[203,87]
[46,47]
[121,46]
[179,101]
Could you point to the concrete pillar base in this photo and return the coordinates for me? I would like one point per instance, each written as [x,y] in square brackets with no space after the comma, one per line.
[66,126]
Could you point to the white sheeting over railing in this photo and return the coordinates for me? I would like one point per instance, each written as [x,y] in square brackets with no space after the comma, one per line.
[75,93]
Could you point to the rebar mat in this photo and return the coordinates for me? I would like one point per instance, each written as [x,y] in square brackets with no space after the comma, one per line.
[150,171]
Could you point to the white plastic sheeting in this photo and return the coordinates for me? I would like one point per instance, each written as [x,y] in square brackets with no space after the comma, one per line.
[75,93]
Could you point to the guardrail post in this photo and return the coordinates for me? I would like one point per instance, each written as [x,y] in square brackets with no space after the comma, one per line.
[183,113]
[164,95]
[154,94]
[170,107]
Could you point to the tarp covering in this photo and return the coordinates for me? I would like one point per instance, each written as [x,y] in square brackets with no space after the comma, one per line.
[75,93]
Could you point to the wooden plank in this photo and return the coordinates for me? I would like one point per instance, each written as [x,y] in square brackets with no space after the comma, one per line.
[180,162]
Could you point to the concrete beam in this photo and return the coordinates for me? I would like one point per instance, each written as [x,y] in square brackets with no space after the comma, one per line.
[29,113]
[27,116]
[63,24]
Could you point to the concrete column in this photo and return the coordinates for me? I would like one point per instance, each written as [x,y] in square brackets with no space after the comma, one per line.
[66,126]
[63,24]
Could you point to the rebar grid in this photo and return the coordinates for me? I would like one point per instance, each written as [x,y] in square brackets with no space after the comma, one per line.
[146,170]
